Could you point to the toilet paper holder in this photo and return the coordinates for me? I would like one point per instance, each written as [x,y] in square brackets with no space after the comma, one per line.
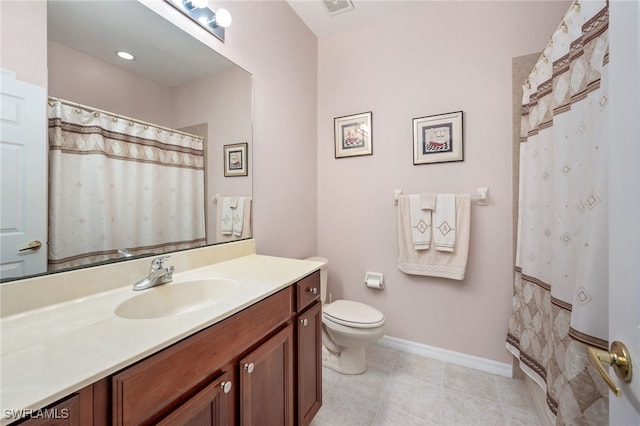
[374,280]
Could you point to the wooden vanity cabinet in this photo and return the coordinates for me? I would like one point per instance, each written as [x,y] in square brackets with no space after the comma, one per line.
[309,348]
[261,366]
[173,379]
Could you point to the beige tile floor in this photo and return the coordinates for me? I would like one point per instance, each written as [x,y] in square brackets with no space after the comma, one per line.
[404,389]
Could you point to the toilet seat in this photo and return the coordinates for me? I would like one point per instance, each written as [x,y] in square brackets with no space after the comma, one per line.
[352,314]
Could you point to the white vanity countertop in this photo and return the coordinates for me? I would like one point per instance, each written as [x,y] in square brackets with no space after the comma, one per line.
[51,352]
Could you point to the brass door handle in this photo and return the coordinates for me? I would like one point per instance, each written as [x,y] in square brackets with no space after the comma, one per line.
[33,245]
[618,358]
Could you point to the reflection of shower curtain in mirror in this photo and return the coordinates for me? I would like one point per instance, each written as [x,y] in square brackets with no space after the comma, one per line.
[117,183]
[560,302]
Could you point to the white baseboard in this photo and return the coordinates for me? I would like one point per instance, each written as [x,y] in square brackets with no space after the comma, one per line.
[458,358]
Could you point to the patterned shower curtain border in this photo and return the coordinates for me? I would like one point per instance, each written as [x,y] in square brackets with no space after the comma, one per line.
[591,29]
[130,142]
[90,259]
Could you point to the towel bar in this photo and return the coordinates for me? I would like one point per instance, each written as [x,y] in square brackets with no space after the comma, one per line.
[481,198]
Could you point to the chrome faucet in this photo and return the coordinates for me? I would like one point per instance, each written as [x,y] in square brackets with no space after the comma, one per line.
[158,274]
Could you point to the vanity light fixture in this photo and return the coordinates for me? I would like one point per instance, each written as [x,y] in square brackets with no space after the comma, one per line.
[125,55]
[197,10]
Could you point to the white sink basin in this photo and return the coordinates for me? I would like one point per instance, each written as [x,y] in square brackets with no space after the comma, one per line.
[177,298]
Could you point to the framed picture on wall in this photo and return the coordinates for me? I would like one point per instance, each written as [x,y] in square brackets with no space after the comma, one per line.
[353,135]
[235,160]
[438,138]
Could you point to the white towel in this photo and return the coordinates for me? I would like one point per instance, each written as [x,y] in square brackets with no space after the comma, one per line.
[420,223]
[238,216]
[428,201]
[226,217]
[444,223]
[246,220]
[433,262]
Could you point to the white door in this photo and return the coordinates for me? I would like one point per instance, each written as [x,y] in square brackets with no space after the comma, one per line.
[624,214]
[23,174]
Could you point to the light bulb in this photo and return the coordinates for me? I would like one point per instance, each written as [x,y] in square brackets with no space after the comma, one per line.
[200,4]
[223,18]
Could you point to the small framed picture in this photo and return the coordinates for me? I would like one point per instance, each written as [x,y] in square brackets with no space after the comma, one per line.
[235,160]
[438,138]
[353,135]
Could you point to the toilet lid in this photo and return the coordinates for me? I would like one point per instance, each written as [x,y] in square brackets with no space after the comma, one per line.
[353,314]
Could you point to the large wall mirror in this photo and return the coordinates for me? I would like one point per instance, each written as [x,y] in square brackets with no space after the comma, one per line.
[145,156]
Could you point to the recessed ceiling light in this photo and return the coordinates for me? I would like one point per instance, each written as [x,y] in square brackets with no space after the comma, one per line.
[125,55]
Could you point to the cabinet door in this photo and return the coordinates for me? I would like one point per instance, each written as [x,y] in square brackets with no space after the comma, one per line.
[77,410]
[309,343]
[266,382]
[207,407]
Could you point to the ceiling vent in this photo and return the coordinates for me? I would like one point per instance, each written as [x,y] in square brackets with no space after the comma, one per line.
[338,6]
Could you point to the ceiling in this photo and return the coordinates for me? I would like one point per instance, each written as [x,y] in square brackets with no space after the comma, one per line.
[164,53]
[317,17]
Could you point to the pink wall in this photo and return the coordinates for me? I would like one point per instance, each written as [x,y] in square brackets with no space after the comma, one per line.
[428,58]
[81,78]
[223,101]
[23,40]
[269,40]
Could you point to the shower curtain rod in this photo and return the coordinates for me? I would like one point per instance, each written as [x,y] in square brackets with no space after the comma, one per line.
[124,117]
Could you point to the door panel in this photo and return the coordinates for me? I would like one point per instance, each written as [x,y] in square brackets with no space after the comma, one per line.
[23,177]
[266,382]
[624,213]
[209,407]
[309,363]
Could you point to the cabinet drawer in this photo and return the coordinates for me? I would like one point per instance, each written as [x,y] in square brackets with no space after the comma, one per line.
[151,388]
[307,291]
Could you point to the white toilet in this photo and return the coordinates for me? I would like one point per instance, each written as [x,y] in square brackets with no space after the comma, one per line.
[347,327]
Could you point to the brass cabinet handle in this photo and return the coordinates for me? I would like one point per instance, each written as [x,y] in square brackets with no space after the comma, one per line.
[618,358]
[33,245]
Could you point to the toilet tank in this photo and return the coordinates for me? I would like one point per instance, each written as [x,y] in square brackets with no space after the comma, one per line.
[323,275]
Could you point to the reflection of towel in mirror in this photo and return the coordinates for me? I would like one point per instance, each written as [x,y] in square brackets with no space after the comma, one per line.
[444,223]
[226,217]
[229,233]
[238,216]
[420,223]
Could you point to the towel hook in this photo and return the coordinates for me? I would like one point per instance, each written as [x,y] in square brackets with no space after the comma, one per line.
[483,199]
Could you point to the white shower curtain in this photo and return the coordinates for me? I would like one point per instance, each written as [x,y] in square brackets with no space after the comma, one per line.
[560,302]
[117,183]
